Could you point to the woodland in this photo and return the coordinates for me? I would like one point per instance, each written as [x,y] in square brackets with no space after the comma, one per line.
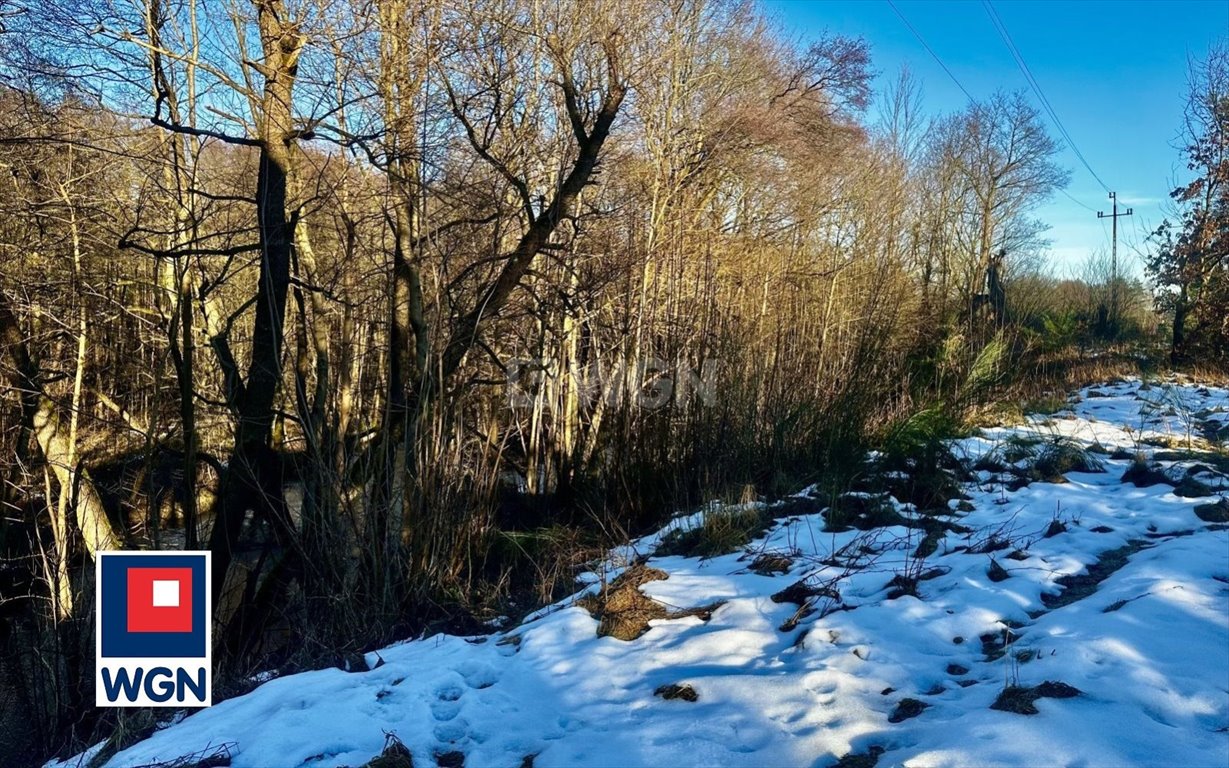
[404,309]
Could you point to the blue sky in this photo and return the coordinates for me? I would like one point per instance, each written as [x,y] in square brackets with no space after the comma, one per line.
[1115,73]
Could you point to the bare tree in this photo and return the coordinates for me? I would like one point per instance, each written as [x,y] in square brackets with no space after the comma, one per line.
[1004,159]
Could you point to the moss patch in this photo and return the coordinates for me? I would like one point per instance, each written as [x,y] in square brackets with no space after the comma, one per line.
[1143,474]
[930,542]
[1215,460]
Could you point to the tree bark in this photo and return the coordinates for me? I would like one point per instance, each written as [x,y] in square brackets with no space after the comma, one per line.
[540,229]
[39,416]
[252,479]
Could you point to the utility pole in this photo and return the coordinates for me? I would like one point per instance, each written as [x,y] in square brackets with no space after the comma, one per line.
[1113,217]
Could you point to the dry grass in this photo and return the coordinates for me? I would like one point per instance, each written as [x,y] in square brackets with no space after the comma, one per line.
[675,691]
[869,759]
[1214,513]
[722,531]
[906,709]
[209,757]
[395,755]
[771,563]
[1021,699]
[624,612]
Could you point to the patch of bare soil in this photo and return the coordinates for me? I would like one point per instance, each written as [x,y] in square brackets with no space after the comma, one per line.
[997,572]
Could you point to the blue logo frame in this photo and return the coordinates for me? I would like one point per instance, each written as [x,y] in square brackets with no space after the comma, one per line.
[115,641]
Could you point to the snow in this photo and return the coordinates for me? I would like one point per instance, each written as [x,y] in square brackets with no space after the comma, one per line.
[1148,649]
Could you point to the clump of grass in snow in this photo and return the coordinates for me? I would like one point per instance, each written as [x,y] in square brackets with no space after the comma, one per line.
[1144,473]
[624,612]
[1019,447]
[1214,513]
[1060,456]
[676,691]
[722,531]
[1028,458]
[907,708]
[394,755]
[1020,699]
[862,511]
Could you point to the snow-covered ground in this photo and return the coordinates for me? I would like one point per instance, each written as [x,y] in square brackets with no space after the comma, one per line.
[1147,647]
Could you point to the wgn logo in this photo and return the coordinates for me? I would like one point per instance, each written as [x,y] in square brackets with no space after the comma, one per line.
[153,646]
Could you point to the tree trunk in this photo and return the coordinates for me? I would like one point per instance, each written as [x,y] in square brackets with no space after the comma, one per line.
[74,481]
[75,486]
[252,478]
[1177,352]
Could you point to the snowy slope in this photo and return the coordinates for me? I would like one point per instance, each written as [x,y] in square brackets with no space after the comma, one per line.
[1147,649]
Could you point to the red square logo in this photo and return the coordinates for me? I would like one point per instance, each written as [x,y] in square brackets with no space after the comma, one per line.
[159,599]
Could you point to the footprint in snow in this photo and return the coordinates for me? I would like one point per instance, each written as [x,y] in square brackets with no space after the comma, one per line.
[478,676]
[449,692]
[443,711]
[448,702]
[452,731]
[824,686]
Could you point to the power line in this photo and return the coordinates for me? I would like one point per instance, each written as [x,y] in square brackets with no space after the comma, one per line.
[1001,27]
[930,50]
[1032,81]
[1028,76]
[1077,202]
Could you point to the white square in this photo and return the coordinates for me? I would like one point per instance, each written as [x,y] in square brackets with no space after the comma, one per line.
[166,594]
